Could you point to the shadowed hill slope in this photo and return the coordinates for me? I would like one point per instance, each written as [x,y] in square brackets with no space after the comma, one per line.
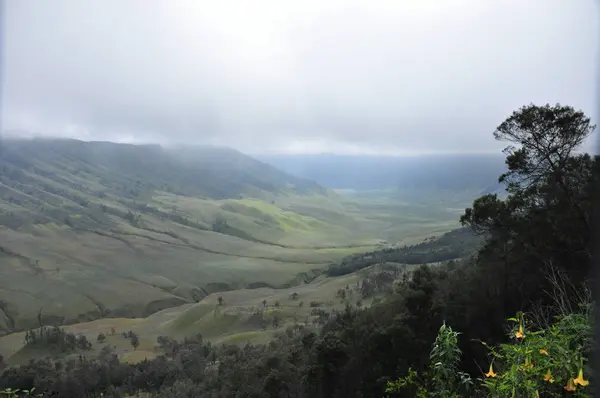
[134,170]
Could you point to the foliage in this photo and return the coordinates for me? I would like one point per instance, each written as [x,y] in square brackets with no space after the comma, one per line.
[443,378]
[10,393]
[56,339]
[545,362]
[450,246]
[542,224]
[546,216]
[135,340]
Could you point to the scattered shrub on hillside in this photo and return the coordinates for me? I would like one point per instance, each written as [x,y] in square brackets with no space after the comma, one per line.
[135,340]
[57,339]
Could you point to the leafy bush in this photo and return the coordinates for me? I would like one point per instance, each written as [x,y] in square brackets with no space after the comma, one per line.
[443,378]
[10,393]
[546,362]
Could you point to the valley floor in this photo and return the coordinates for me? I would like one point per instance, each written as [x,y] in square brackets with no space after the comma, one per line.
[66,274]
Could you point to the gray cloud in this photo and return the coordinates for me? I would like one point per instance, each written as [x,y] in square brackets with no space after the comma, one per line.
[312,75]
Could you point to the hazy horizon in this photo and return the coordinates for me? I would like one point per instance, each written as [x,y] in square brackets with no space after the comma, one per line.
[272,77]
[261,154]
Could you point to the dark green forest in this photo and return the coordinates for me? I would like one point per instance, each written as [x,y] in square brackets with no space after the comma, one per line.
[532,263]
[452,245]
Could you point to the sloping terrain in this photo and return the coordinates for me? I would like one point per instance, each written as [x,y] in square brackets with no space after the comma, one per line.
[255,315]
[96,229]
[244,315]
[132,171]
[233,321]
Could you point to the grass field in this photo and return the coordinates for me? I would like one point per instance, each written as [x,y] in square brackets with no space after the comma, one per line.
[232,322]
[76,274]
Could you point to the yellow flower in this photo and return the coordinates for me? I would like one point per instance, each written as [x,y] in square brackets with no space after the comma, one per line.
[537,394]
[543,352]
[580,380]
[491,373]
[520,334]
[570,386]
[528,364]
[548,377]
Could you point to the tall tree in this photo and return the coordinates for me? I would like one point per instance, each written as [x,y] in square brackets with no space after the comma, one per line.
[545,220]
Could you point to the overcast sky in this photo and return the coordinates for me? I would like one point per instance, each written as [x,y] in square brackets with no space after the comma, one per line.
[297,76]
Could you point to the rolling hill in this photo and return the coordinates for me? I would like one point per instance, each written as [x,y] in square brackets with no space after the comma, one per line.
[257,315]
[97,229]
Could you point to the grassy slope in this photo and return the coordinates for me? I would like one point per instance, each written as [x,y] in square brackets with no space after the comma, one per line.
[90,230]
[230,322]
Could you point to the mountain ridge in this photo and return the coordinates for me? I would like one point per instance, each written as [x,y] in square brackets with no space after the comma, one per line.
[173,168]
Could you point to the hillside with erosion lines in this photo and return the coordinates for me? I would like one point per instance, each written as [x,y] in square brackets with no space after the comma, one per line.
[96,229]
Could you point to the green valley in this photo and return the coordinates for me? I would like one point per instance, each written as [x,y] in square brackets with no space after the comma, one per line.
[94,229]
[279,199]
[220,275]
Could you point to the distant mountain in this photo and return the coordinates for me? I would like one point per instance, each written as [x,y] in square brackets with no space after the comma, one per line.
[132,170]
[440,172]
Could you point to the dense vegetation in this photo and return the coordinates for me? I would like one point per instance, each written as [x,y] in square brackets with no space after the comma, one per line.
[534,263]
[56,339]
[452,245]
